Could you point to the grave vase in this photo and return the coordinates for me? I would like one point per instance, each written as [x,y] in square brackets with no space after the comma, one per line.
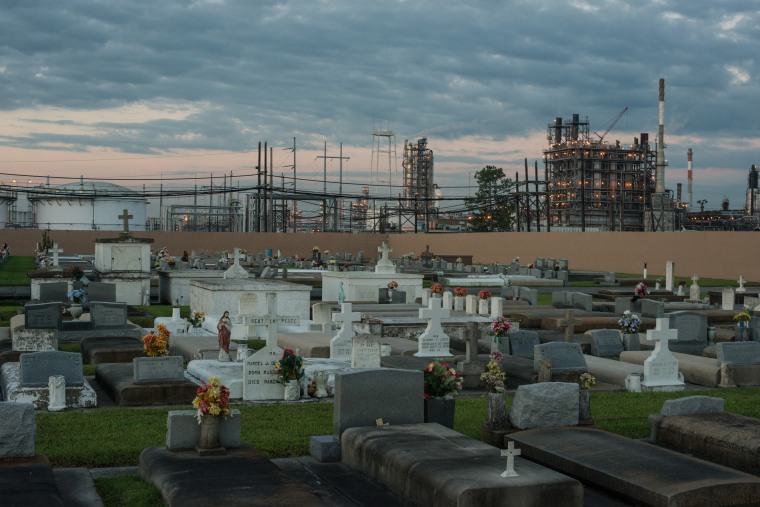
[459,303]
[711,331]
[584,407]
[483,306]
[741,332]
[175,314]
[209,434]
[76,310]
[440,410]
[292,391]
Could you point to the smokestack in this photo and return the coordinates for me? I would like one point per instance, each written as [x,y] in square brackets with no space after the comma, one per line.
[659,185]
[688,187]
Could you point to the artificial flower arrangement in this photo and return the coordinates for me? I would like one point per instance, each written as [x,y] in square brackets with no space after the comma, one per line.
[460,292]
[196,318]
[315,249]
[333,262]
[289,367]
[76,271]
[436,288]
[629,322]
[212,399]
[493,377]
[408,255]
[172,261]
[164,252]
[500,328]
[441,380]
[641,290]
[484,294]
[742,318]
[585,381]
[156,343]
[459,260]
[393,284]
[516,259]
[531,266]
[77,296]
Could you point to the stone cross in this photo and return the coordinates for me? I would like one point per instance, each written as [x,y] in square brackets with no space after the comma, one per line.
[341,344]
[670,268]
[346,317]
[662,333]
[237,256]
[694,279]
[271,321]
[55,250]
[384,249]
[471,346]
[741,281]
[510,452]
[434,313]
[433,342]
[569,323]
[125,217]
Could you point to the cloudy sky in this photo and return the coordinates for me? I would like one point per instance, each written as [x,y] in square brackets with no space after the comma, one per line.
[138,92]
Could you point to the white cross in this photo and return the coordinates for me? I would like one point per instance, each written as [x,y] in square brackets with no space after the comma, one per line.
[271,321]
[741,281]
[662,333]
[237,256]
[384,249]
[695,279]
[346,318]
[434,313]
[55,251]
[510,452]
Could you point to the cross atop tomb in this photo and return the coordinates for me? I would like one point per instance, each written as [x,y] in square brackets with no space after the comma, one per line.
[662,333]
[341,344]
[741,282]
[510,452]
[433,342]
[385,265]
[569,323]
[125,216]
[271,321]
[694,279]
[55,251]
[238,256]
[434,313]
[346,317]
[384,250]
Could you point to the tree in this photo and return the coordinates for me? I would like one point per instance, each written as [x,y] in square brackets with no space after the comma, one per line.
[491,209]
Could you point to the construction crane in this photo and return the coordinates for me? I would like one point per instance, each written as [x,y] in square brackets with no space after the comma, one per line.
[611,124]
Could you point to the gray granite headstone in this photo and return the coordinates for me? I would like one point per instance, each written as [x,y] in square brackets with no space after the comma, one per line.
[100,291]
[559,299]
[606,343]
[522,343]
[43,316]
[17,429]
[399,296]
[158,369]
[652,309]
[622,305]
[544,405]
[108,315]
[36,368]
[529,295]
[362,397]
[754,329]
[566,358]
[54,291]
[582,301]
[693,405]
[738,352]
[691,326]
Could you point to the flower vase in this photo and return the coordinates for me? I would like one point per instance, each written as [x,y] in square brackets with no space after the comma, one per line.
[497,412]
[76,310]
[175,314]
[483,306]
[459,303]
[440,410]
[740,334]
[208,441]
[584,407]
[292,391]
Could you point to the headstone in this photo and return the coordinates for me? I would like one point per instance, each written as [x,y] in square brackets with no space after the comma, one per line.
[340,344]
[569,323]
[54,292]
[17,430]
[661,367]
[43,316]
[99,291]
[236,271]
[741,281]
[727,301]
[523,343]
[108,315]
[384,264]
[652,309]
[691,326]
[670,267]
[545,405]
[693,405]
[365,352]
[433,342]
[260,380]
[566,358]
[738,352]
[510,452]
[471,304]
[529,295]
[55,251]
[36,368]
[606,343]
[158,369]
[694,290]
[582,301]
[559,299]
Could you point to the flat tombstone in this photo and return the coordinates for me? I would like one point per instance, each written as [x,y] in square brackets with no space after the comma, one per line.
[522,343]
[43,316]
[260,380]
[691,326]
[728,301]
[158,369]
[365,352]
[54,291]
[36,368]
[606,343]
[99,291]
[108,315]
[738,352]
[566,358]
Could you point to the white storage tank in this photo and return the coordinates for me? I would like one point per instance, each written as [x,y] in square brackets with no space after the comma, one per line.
[88,205]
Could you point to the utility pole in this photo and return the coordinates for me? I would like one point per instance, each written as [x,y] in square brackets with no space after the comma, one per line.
[324,187]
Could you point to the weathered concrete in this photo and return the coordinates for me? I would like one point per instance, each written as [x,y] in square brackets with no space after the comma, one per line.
[611,371]
[436,466]
[117,380]
[111,350]
[698,370]
[28,481]
[635,470]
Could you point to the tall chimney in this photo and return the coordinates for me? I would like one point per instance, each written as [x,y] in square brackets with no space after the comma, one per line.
[659,183]
[688,187]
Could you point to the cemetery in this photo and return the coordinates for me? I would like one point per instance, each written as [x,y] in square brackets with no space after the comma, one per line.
[263,378]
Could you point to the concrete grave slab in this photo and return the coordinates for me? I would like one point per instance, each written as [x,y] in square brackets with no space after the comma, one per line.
[117,381]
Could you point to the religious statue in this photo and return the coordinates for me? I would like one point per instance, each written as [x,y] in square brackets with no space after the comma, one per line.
[224,327]
[341,293]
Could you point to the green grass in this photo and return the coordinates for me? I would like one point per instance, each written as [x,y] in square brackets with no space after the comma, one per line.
[128,491]
[13,271]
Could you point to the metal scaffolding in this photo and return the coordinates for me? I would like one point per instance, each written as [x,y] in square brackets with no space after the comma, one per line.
[596,185]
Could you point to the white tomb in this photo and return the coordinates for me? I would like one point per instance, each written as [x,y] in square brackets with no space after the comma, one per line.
[433,342]
[214,297]
[661,367]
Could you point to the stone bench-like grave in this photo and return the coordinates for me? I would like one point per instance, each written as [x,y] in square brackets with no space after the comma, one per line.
[146,381]
[29,379]
[586,322]
[636,471]
[698,426]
